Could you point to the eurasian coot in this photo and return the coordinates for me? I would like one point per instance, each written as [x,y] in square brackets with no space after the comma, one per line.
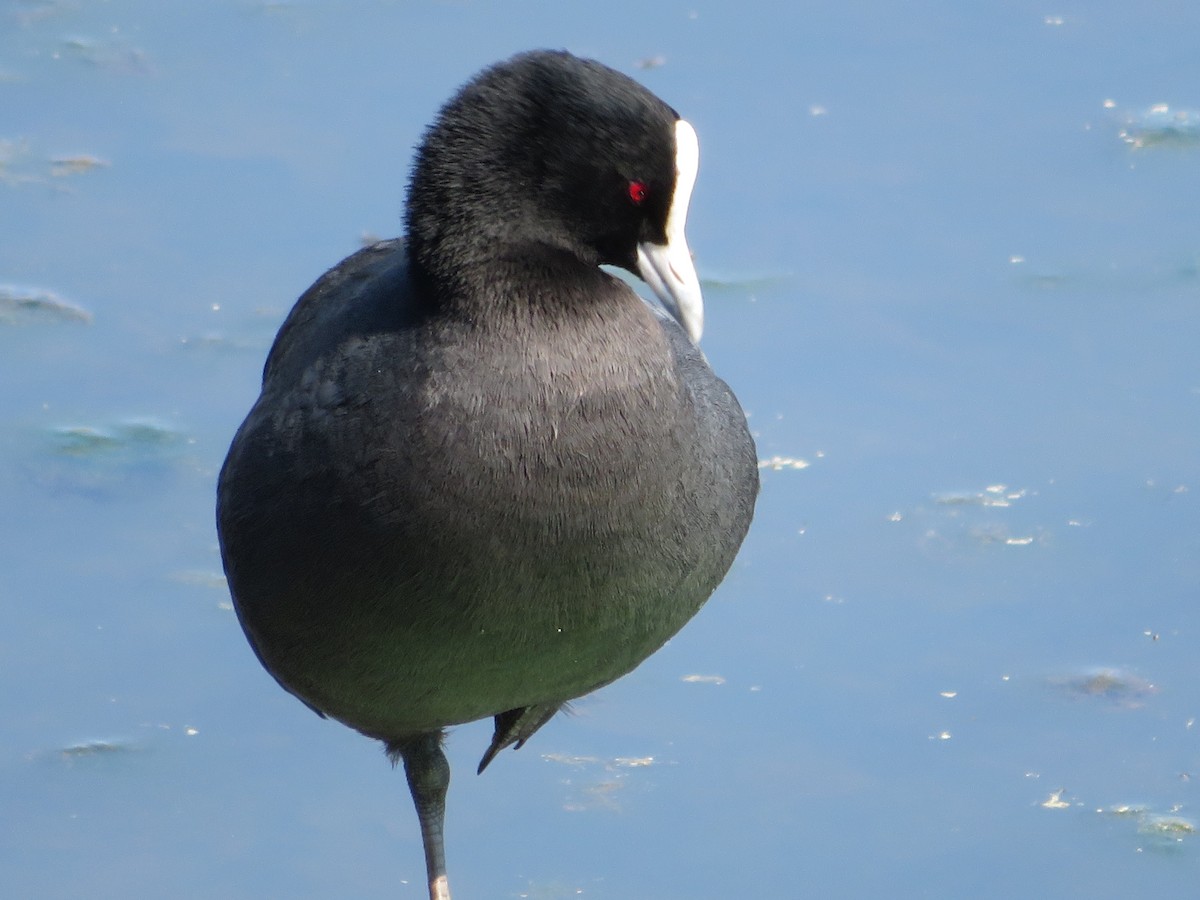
[483,476]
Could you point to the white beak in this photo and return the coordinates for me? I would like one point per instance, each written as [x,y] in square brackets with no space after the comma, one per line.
[668,268]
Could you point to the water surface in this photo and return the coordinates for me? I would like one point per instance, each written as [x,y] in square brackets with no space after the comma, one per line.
[952,269]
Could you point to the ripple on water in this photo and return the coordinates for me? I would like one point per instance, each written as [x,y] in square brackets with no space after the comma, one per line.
[1161,126]
[37,306]
[21,163]
[137,436]
[103,459]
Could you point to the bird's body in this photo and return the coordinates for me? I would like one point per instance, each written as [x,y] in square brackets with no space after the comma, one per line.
[453,533]
[483,476]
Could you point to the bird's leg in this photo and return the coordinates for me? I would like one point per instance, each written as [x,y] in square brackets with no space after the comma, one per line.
[428,777]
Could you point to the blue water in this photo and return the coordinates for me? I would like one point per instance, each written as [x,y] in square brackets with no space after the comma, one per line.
[952,263]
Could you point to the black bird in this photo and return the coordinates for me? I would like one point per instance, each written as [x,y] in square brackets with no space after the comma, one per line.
[483,476]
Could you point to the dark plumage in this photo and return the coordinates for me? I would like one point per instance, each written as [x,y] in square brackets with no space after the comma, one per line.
[483,476]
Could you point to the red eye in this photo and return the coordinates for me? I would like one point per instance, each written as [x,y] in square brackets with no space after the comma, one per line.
[637,192]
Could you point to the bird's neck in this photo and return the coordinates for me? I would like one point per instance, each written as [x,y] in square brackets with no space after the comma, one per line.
[514,283]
